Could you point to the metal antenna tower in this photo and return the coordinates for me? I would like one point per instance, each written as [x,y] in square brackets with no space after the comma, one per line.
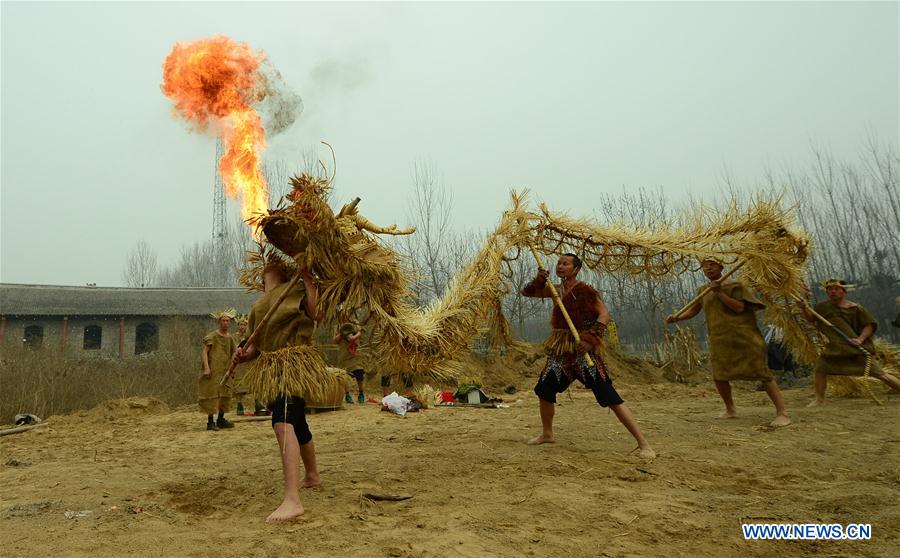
[220,226]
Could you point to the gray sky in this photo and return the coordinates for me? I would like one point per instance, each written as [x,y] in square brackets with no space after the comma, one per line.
[565,99]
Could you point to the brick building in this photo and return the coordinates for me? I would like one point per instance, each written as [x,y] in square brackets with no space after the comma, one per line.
[110,320]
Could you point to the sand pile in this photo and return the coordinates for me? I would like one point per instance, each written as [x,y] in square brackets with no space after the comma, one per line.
[116,409]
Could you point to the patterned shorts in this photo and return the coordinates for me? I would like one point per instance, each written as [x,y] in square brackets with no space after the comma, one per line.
[561,371]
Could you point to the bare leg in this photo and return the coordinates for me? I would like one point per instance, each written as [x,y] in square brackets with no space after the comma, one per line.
[290,465]
[627,419]
[891,381]
[308,455]
[781,418]
[548,409]
[724,389]
[821,384]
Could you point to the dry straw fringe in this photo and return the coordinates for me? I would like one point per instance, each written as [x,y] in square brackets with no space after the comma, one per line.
[291,371]
[560,342]
[682,354]
[889,355]
[850,386]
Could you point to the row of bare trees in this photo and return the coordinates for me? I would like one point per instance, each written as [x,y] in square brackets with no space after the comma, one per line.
[208,263]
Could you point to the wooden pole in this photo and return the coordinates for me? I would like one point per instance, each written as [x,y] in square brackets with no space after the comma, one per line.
[825,321]
[262,323]
[559,304]
[708,288]
[18,429]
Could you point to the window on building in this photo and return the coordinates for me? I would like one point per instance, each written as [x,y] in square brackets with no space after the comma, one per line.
[93,337]
[146,338]
[34,337]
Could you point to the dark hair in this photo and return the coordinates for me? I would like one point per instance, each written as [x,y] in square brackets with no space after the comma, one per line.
[576,261]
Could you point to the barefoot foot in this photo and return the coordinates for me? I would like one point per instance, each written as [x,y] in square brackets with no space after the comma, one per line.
[647,453]
[542,439]
[780,420]
[287,510]
[816,403]
[310,481]
[728,415]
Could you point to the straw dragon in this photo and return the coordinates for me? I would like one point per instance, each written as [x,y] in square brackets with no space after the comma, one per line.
[358,271]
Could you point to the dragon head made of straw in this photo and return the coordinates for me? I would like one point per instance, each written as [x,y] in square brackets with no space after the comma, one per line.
[339,248]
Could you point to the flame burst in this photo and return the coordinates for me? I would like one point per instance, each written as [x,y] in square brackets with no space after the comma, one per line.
[215,82]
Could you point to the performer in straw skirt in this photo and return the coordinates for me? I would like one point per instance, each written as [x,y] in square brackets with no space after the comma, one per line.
[218,347]
[840,356]
[737,350]
[565,357]
[286,368]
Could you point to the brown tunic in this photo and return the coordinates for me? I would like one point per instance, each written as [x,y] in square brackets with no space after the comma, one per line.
[347,360]
[839,357]
[237,382]
[213,397]
[288,364]
[737,350]
[581,304]
[288,326]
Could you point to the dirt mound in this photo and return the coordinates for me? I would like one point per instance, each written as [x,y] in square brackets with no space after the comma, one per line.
[632,370]
[115,409]
[499,371]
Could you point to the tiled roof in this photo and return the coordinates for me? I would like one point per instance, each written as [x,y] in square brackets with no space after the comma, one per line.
[49,300]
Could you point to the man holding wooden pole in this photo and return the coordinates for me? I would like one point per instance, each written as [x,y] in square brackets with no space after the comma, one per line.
[737,350]
[579,321]
[848,328]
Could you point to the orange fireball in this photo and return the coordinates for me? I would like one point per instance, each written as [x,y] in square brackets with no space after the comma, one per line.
[214,82]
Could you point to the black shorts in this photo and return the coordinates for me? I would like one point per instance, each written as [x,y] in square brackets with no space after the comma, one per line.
[779,358]
[386,381]
[554,380]
[359,374]
[295,416]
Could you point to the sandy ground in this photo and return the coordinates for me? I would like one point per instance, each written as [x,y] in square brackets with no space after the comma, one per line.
[477,489]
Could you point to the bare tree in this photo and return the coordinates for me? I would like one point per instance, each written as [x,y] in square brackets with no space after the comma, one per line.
[528,316]
[141,266]
[429,249]
[201,265]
